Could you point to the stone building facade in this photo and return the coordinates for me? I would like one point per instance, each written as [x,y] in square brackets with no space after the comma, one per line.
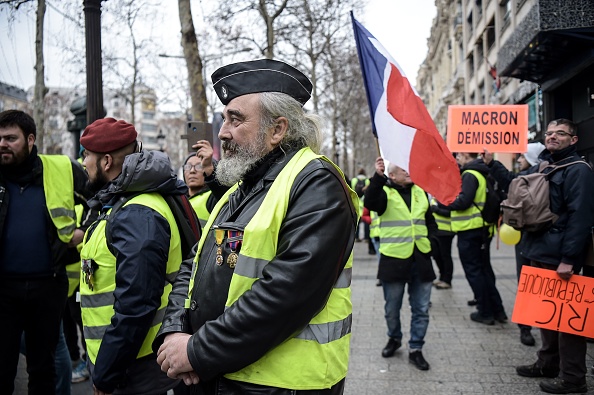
[537,52]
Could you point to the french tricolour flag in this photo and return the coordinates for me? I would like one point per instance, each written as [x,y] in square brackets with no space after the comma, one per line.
[404,129]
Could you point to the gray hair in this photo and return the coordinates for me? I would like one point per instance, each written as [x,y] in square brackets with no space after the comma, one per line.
[304,129]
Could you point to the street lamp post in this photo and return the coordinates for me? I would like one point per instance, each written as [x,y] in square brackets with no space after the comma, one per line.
[161,140]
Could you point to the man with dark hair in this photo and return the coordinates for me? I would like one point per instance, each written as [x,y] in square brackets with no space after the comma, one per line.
[268,309]
[474,239]
[129,258]
[562,248]
[38,237]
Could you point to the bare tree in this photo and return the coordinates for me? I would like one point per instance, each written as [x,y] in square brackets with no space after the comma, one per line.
[40,90]
[250,23]
[189,43]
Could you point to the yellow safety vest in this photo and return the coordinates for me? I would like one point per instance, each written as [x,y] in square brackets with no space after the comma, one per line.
[73,269]
[198,203]
[58,186]
[443,223]
[400,228]
[471,218]
[97,304]
[317,357]
[374,227]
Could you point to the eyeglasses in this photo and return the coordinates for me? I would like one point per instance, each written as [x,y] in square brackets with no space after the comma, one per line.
[196,167]
[559,133]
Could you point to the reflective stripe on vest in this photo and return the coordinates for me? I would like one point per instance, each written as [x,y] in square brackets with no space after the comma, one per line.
[97,304]
[471,218]
[402,228]
[443,223]
[58,186]
[317,357]
[198,203]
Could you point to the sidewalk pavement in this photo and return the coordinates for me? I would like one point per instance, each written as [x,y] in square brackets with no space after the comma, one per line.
[465,357]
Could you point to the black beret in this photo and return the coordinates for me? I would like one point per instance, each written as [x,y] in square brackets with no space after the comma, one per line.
[108,135]
[257,76]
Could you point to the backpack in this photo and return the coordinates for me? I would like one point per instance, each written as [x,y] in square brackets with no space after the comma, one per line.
[185,217]
[527,206]
[492,207]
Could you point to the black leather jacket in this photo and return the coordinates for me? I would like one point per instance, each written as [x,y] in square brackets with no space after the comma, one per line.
[571,190]
[314,243]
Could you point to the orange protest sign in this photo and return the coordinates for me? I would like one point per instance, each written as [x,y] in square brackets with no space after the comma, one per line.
[498,128]
[546,301]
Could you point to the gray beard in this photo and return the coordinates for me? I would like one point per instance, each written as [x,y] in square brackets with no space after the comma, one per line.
[231,170]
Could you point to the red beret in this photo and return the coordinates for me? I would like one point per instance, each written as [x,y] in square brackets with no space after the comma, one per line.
[108,135]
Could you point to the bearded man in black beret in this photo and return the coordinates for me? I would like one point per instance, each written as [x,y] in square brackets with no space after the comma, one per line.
[267,308]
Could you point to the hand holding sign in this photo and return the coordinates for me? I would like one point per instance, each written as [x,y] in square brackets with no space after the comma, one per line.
[546,301]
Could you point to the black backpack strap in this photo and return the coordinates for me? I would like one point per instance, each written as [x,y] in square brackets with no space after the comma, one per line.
[187,222]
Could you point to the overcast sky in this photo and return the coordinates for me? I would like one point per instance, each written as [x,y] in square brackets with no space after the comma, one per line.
[402,26]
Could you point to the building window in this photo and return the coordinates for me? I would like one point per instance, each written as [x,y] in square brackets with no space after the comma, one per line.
[479,51]
[482,94]
[148,115]
[470,65]
[148,127]
[469,20]
[472,98]
[490,35]
[505,10]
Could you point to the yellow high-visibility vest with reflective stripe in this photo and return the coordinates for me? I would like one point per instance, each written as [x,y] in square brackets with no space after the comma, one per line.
[471,218]
[317,357]
[443,223]
[58,187]
[374,227]
[97,304]
[199,205]
[402,228]
[73,269]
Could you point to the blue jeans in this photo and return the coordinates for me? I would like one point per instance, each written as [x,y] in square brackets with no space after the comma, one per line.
[419,296]
[474,250]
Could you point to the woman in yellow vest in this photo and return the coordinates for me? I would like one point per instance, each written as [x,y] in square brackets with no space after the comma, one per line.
[405,260]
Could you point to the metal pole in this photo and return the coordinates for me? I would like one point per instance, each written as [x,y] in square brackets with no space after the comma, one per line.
[92,10]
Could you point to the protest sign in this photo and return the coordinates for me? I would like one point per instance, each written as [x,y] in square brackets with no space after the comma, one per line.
[498,128]
[546,301]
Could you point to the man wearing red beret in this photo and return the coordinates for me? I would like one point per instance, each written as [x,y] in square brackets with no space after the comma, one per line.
[38,238]
[125,282]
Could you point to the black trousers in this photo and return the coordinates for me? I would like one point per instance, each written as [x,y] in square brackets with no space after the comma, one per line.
[564,350]
[441,250]
[475,256]
[71,321]
[35,307]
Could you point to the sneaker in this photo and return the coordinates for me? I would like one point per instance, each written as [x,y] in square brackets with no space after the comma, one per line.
[472,302]
[526,337]
[535,370]
[442,285]
[80,372]
[560,386]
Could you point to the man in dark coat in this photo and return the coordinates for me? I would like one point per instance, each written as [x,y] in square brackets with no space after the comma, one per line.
[561,247]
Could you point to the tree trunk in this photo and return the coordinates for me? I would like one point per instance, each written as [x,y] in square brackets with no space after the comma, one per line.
[189,44]
[40,89]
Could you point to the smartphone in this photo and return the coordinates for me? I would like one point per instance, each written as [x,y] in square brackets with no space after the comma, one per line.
[197,131]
